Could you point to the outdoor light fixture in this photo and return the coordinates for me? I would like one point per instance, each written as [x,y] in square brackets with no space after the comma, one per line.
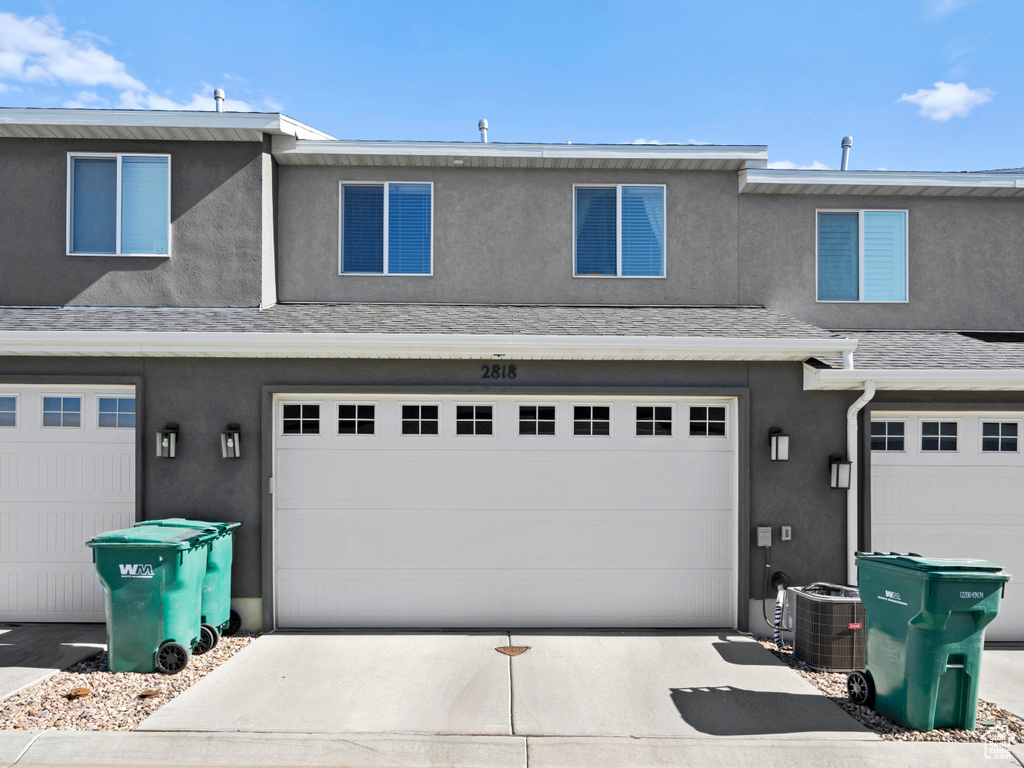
[229,442]
[779,444]
[166,441]
[839,471]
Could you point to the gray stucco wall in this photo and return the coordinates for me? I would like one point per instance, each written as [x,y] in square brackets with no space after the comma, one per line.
[216,229]
[506,236]
[204,395]
[965,262]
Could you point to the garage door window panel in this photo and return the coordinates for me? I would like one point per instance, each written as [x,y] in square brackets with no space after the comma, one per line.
[300,419]
[474,420]
[999,436]
[116,413]
[8,410]
[62,412]
[592,420]
[421,419]
[537,420]
[888,436]
[707,421]
[939,436]
[356,418]
[654,421]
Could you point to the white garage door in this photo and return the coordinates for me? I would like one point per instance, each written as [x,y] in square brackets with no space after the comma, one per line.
[505,511]
[952,485]
[67,472]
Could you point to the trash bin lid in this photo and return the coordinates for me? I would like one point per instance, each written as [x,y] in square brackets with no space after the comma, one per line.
[152,536]
[184,522]
[929,564]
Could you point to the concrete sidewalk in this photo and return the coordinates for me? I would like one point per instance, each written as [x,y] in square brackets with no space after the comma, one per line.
[30,653]
[619,684]
[69,749]
[1002,678]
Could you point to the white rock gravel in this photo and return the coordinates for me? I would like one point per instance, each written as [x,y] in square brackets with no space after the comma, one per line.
[114,702]
[994,725]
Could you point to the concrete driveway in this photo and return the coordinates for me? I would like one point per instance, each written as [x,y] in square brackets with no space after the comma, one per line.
[1002,678]
[611,684]
[30,653]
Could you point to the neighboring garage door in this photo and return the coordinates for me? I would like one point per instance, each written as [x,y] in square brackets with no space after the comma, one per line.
[952,485]
[67,472]
[431,511]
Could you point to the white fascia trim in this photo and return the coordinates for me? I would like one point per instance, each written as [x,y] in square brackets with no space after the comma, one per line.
[784,177]
[896,379]
[539,151]
[410,346]
[267,122]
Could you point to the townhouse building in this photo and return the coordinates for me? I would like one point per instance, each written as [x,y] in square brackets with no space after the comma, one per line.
[479,385]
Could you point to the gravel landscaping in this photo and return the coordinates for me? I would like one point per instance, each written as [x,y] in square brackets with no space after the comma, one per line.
[109,701]
[994,725]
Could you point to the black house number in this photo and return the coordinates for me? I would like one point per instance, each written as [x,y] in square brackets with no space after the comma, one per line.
[498,372]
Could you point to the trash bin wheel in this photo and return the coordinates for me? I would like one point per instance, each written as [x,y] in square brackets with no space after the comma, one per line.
[234,623]
[171,658]
[860,688]
[208,639]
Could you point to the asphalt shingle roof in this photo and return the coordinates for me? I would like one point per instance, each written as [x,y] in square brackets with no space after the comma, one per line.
[693,322]
[941,350]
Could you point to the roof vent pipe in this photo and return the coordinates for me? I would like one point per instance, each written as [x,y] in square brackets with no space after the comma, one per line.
[218,97]
[847,143]
[482,125]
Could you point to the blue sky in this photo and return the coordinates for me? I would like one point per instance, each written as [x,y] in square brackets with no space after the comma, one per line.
[919,84]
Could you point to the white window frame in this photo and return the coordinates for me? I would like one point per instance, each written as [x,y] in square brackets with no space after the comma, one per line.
[672,421]
[981,436]
[115,396]
[519,434]
[940,420]
[419,435]
[62,395]
[302,435]
[906,435]
[17,409]
[860,254]
[455,419]
[728,421]
[357,435]
[572,420]
[618,232]
[117,225]
[341,228]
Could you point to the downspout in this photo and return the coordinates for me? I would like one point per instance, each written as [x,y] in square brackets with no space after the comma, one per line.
[852,453]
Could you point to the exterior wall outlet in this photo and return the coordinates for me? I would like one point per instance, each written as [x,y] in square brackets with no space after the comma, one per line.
[764,536]
[787,533]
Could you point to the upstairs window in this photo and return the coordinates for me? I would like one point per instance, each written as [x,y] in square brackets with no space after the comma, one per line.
[119,205]
[862,256]
[620,231]
[386,229]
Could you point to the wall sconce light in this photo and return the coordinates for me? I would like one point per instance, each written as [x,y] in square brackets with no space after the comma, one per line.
[839,472]
[779,444]
[166,441]
[229,442]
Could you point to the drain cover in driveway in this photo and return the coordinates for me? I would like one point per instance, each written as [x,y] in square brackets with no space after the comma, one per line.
[512,650]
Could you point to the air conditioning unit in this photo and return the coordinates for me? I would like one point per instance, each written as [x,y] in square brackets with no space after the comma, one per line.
[829,627]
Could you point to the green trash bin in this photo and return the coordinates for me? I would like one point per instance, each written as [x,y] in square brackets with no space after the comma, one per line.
[217,618]
[152,582]
[925,627]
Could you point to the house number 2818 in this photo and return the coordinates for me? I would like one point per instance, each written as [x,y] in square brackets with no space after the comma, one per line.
[498,371]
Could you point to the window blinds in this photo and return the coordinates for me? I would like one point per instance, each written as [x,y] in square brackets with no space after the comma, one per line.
[838,256]
[409,229]
[363,228]
[595,231]
[94,205]
[643,228]
[885,256]
[144,204]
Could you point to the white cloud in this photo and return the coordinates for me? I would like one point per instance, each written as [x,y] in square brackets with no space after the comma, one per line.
[936,9]
[655,141]
[947,100]
[38,51]
[788,165]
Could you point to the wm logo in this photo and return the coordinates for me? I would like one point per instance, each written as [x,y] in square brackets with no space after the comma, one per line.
[136,571]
